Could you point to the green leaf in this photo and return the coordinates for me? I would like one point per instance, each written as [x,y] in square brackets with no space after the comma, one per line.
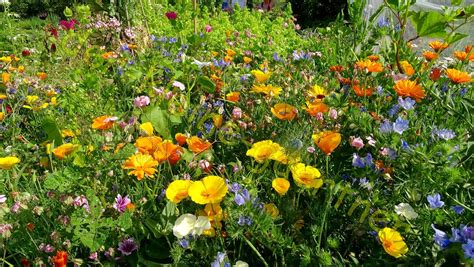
[207,84]
[52,130]
[170,209]
[456,37]
[67,12]
[125,221]
[456,2]
[430,24]
[160,120]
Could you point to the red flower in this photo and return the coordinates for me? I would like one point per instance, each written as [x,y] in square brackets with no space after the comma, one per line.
[25,52]
[171,15]
[60,260]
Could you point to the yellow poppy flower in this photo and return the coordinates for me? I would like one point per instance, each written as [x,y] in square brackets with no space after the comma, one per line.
[261,76]
[268,90]
[263,150]
[271,209]
[306,176]
[281,185]
[392,242]
[178,190]
[141,165]
[2,116]
[147,128]
[7,163]
[211,189]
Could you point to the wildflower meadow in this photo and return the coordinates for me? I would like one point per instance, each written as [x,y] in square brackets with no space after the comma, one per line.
[223,133]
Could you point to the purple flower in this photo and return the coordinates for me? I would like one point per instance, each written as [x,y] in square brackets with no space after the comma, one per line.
[141,101]
[241,198]
[400,125]
[127,246]
[468,249]
[457,209]
[121,203]
[81,201]
[184,243]
[360,162]
[386,127]
[444,134]
[405,145]
[219,259]
[275,56]
[243,220]
[406,103]
[435,201]
[457,235]
[440,238]
[393,111]
[236,187]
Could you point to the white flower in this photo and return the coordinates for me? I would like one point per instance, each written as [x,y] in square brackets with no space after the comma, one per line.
[405,210]
[188,224]
[201,64]
[179,85]
[3,198]
[241,264]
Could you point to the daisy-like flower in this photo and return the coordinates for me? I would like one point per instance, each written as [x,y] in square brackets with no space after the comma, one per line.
[261,76]
[409,88]
[141,165]
[430,56]
[457,76]
[438,46]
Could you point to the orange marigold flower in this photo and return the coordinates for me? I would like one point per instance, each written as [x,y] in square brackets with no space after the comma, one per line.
[457,76]
[167,151]
[370,66]
[409,88]
[373,58]
[141,165]
[429,56]
[284,111]
[180,138]
[438,46]
[103,122]
[198,145]
[314,108]
[327,141]
[361,91]
[60,259]
[233,97]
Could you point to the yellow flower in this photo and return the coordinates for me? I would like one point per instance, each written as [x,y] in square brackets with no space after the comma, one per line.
[317,92]
[271,209]
[141,165]
[327,141]
[147,128]
[2,116]
[284,111]
[392,242]
[211,189]
[63,151]
[7,163]
[5,78]
[67,133]
[231,53]
[281,185]
[261,76]
[268,90]
[178,190]
[263,150]
[306,176]
[247,60]
[407,68]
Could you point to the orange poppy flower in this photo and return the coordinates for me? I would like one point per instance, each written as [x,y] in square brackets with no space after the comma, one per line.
[409,88]
[141,165]
[64,150]
[42,75]
[231,53]
[103,122]
[233,97]
[438,46]
[167,151]
[314,108]
[457,76]
[180,138]
[284,111]
[60,259]
[147,144]
[198,145]
[429,56]
[327,141]
[362,92]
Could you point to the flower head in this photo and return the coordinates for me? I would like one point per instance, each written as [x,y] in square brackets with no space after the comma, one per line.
[468,249]
[264,150]
[64,150]
[188,224]
[178,190]
[103,122]
[409,88]
[60,259]
[327,141]
[261,76]
[284,111]
[457,76]
[281,185]
[440,238]
[6,163]
[167,151]
[400,125]
[438,46]
[211,189]
[141,101]
[370,66]
[407,68]
[141,165]
[268,90]
[121,203]
[198,145]
[361,91]
[127,246]
[435,201]
[306,176]
[171,15]
[392,242]
[405,210]
[430,56]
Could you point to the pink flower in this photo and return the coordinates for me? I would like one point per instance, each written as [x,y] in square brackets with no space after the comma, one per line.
[179,85]
[171,15]
[320,116]
[208,28]
[121,203]
[68,25]
[141,101]
[357,142]
[333,114]
[237,113]
[311,149]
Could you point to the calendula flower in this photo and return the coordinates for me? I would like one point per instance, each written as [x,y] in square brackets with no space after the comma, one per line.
[5,78]
[60,259]
[370,66]
[103,122]
[6,163]
[167,151]
[264,150]
[457,76]
[147,128]
[281,185]
[306,176]
[147,144]
[180,138]
[438,46]
[268,90]
[462,55]
[430,56]
[407,68]
[141,165]
[64,150]
[373,58]
[198,145]
[410,89]
[261,76]
[327,141]
[392,242]
[211,189]
[284,111]
[361,91]
[317,92]
[178,190]
[233,97]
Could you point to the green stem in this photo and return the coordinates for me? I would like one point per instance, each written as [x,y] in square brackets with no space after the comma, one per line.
[256,251]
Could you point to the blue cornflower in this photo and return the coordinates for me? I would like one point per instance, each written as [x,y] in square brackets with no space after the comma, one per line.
[468,249]
[406,103]
[457,209]
[440,238]
[184,243]
[383,22]
[386,127]
[444,134]
[435,201]
[394,110]
[400,125]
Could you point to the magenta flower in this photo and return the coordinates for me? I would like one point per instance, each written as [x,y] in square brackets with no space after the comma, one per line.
[358,143]
[208,28]
[68,25]
[127,246]
[141,101]
[121,203]
[171,15]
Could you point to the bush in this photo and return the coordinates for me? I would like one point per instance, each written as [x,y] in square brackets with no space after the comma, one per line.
[317,12]
[30,8]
